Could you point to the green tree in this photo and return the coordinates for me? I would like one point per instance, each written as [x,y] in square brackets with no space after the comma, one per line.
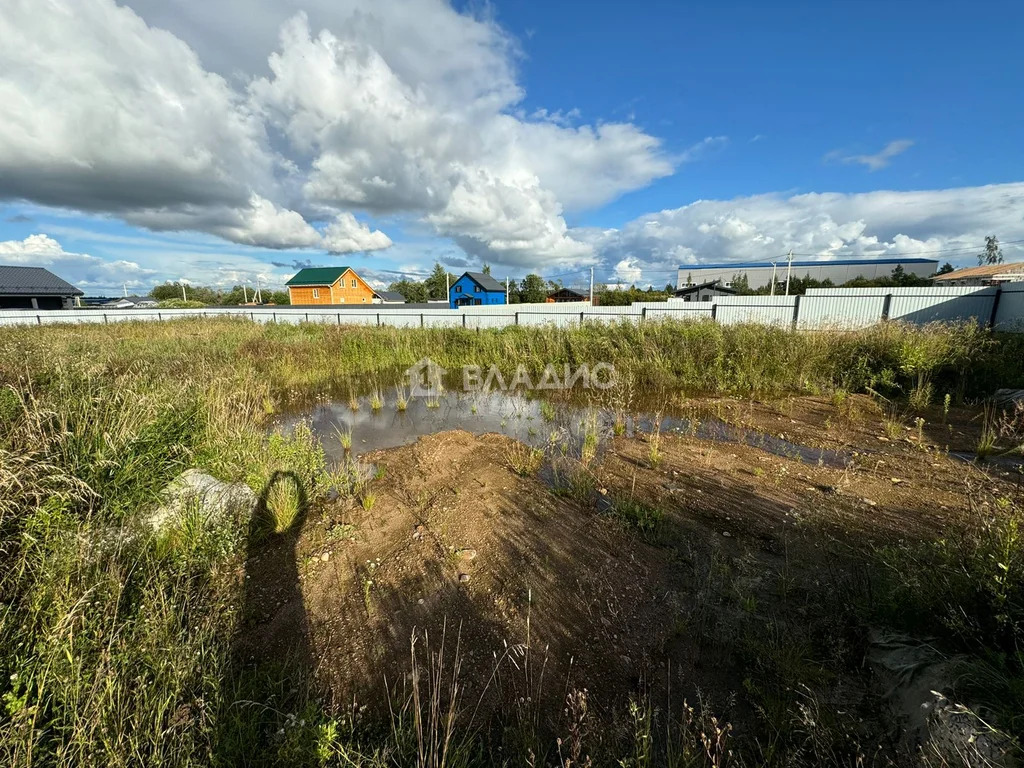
[741,284]
[992,254]
[235,296]
[486,269]
[533,289]
[945,269]
[278,297]
[166,291]
[437,283]
[414,291]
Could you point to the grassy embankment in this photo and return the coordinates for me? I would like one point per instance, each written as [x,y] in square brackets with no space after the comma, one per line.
[115,648]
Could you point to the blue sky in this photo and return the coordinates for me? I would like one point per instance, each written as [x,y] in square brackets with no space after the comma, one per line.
[548,137]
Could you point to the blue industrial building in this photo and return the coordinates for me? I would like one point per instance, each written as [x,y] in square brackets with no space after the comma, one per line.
[839,271]
[475,289]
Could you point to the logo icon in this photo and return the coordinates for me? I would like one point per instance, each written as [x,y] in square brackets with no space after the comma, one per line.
[426,378]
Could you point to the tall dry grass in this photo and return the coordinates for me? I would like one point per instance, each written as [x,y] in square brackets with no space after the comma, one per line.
[115,644]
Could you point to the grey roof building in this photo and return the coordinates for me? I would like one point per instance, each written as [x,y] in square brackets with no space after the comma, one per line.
[488,282]
[34,288]
[131,302]
[704,292]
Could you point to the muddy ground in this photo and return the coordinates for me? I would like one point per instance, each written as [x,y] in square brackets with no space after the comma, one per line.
[670,566]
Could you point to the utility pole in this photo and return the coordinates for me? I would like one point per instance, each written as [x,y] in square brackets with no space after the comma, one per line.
[591,286]
[125,286]
[506,289]
[245,295]
[258,298]
[789,268]
[774,266]
[448,286]
[183,296]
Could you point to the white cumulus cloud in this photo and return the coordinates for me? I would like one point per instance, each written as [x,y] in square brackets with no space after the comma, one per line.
[348,235]
[953,222]
[175,116]
[81,270]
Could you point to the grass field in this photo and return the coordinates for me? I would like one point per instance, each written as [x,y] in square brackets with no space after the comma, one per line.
[116,647]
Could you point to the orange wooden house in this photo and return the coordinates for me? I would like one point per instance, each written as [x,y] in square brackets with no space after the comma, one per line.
[329,285]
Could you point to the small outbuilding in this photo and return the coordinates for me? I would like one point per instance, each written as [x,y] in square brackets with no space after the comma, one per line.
[35,288]
[704,291]
[388,297]
[132,302]
[475,289]
[563,295]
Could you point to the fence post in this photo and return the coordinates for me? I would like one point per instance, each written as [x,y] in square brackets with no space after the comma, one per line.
[104,318]
[796,310]
[378,319]
[643,313]
[275,317]
[159,316]
[714,310]
[339,318]
[421,319]
[252,316]
[886,303]
[463,321]
[995,307]
[517,318]
[581,318]
[39,320]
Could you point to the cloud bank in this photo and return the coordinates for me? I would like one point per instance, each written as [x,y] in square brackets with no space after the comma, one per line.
[300,122]
[949,225]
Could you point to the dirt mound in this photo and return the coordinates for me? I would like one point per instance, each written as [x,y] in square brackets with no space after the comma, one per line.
[680,563]
[456,540]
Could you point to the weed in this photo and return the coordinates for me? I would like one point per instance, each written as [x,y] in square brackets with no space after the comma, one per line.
[522,459]
[588,450]
[635,514]
[989,436]
[367,501]
[892,423]
[401,400]
[376,401]
[653,444]
[283,505]
[345,438]
[547,410]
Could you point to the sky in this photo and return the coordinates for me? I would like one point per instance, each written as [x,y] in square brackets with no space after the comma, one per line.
[233,141]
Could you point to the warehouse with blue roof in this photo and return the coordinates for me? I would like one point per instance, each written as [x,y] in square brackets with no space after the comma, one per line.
[839,271]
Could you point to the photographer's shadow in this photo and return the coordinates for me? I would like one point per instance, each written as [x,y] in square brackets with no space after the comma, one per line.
[271,668]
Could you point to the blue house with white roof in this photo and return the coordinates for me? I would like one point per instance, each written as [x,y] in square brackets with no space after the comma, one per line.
[475,289]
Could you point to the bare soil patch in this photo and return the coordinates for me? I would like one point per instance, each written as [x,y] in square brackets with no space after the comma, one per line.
[742,582]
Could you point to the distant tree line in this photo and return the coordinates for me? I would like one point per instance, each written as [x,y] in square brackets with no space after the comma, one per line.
[214,297]
[532,289]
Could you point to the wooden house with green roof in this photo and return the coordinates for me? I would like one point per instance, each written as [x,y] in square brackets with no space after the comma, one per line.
[329,285]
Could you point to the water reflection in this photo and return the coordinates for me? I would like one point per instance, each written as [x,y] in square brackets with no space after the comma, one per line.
[538,423]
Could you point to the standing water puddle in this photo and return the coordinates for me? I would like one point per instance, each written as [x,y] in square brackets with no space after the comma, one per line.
[537,423]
